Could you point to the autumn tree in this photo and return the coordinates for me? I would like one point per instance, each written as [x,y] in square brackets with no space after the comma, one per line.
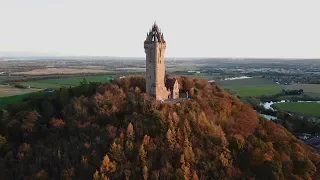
[171,139]
[107,166]
[28,124]
[142,155]
[116,152]
[99,176]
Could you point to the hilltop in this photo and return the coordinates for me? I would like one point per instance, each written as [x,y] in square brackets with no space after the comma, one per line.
[116,131]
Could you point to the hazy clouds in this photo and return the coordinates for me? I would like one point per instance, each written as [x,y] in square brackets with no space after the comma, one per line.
[247,28]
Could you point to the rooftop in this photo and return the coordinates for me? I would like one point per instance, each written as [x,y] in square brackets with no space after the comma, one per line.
[313,141]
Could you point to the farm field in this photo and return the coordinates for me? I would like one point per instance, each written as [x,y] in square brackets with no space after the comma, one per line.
[312,89]
[65,82]
[12,91]
[290,97]
[49,71]
[132,69]
[312,94]
[6,78]
[250,87]
[303,108]
[16,98]
[306,87]
[11,99]
[253,91]
[246,82]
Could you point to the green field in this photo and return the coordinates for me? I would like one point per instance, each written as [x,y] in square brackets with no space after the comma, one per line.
[312,94]
[303,108]
[312,88]
[253,87]
[65,82]
[6,78]
[12,95]
[11,99]
[253,91]
[17,98]
[12,91]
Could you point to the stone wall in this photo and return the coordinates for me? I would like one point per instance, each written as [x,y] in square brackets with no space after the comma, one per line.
[175,93]
[155,69]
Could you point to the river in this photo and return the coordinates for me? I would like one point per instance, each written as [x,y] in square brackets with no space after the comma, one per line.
[268,105]
[268,117]
[237,78]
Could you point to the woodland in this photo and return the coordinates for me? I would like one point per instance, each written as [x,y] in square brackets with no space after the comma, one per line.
[116,131]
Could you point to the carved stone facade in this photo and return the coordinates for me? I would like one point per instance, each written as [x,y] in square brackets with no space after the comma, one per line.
[155,47]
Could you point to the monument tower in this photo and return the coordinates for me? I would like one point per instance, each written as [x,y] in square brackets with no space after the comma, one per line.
[155,47]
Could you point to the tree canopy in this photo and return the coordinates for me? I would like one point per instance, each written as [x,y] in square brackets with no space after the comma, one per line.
[116,131]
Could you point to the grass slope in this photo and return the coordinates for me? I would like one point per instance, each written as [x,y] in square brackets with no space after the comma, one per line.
[303,108]
[250,87]
[4,101]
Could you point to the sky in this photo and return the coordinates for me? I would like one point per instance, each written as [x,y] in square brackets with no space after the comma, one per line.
[202,28]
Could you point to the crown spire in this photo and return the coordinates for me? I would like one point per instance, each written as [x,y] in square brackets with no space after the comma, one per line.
[155,34]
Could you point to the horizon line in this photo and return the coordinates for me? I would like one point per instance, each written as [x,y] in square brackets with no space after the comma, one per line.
[143,57]
[170,57]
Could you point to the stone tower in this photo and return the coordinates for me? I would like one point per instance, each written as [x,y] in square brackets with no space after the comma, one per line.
[155,47]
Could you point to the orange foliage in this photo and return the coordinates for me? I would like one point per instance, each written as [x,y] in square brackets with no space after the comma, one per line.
[245,121]
[146,140]
[267,157]
[297,148]
[107,166]
[57,123]
[274,132]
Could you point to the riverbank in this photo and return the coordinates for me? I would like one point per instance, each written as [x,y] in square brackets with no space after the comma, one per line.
[305,108]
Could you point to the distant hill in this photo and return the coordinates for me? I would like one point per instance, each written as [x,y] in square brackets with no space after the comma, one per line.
[116,131]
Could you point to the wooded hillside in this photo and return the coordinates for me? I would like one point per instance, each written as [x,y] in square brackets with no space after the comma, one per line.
[115,131]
